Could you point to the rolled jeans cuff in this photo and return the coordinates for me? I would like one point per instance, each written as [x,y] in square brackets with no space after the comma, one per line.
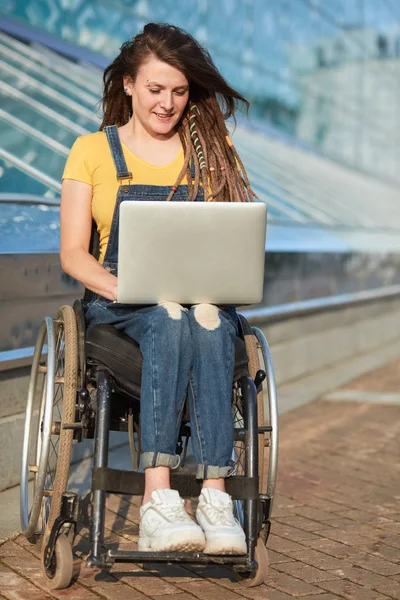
[159,459]
[213,472]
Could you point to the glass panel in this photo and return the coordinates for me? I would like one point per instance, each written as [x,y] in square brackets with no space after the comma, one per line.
[31,151]
[16,181]
[56,82]
[46,97]
[324,71]
[43,123]
[84,76]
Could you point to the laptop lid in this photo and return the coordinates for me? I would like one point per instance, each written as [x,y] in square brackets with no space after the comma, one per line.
[191,252]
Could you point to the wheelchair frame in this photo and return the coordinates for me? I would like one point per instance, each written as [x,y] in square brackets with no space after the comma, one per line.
[78,421]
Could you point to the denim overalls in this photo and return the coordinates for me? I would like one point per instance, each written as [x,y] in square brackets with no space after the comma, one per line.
[186,350]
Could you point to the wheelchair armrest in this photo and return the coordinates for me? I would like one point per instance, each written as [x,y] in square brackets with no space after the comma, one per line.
[244,327]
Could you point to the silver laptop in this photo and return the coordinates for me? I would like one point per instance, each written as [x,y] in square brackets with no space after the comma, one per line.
[191,252]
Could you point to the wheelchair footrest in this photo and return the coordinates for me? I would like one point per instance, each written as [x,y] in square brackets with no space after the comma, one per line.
[131,482]
[193,558]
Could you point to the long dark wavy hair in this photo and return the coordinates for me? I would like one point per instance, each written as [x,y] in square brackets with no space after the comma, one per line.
[202,129]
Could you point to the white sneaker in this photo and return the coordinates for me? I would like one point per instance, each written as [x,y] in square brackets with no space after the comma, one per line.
[166,526]
[223,532]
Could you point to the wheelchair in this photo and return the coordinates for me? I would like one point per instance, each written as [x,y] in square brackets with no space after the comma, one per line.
[85,382]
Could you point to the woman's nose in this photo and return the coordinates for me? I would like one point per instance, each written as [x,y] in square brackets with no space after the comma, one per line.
[166,102]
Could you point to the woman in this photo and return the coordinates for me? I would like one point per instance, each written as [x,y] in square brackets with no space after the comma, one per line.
[163,137]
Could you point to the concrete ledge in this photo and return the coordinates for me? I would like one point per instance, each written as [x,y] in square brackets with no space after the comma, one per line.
[360,396]
[321,383]
[307,352]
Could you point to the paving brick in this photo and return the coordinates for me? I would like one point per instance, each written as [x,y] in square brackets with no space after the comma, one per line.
[315,514]
[15,587]
[94,577]
[322,596]
[209,591]
[276,557]
[282,545]
[271,594]
[349,538]
[28,566]
[391,526]
[385,585]
[261,592]
[179,574]
[302,523]
[351,591]
[386,552]
[375,564]
[182,596]
[369,530]
[305,572]
[291,585]
[120,591]
[333,548]
[326,505]
[382,551]
[147,583]
[293,533]
[318,559]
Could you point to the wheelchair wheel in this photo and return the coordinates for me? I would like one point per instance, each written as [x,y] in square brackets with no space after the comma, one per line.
[259,358]
[54,381]
[269,400]
[58,576]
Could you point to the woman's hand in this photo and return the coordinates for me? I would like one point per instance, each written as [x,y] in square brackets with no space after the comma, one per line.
[75,232]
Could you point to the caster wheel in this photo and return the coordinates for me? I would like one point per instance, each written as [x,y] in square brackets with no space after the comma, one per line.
[58,576]
[260,576]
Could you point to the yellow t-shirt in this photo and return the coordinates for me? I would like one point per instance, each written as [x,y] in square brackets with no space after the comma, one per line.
[90,161]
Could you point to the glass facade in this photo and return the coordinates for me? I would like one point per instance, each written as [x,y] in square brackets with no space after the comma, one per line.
[324,71]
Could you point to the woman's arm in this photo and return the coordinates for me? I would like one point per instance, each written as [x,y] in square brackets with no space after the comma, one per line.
[75,229]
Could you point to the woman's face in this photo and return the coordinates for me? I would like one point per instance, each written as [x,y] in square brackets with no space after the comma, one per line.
[159,96]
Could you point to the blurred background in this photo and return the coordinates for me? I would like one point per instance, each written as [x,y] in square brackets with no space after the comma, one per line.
[320,147]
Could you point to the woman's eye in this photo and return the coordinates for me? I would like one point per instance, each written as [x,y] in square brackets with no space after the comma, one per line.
[155,91]
[180,93]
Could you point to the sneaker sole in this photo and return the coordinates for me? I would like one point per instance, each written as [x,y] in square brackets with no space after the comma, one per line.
[176,547]
[227,549]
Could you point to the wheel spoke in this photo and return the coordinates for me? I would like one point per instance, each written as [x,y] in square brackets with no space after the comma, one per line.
[53,350]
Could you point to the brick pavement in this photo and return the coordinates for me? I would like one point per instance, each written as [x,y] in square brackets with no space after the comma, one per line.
[335,531]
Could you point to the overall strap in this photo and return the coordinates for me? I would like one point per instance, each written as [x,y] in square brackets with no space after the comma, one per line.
[116,150]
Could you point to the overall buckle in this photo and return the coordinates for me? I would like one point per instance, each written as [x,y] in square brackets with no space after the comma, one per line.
[125,187]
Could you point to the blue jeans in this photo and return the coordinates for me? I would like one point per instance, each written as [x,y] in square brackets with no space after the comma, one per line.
[185,351]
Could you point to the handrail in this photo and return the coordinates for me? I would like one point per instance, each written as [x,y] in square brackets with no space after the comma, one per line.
[291,310]
[61,82]
[22,357]
[54,61]
[9,90]
[50,93]
[25,168]
[34,133]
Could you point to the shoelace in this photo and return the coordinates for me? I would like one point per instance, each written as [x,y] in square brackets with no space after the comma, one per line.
[175,512]
[219,515]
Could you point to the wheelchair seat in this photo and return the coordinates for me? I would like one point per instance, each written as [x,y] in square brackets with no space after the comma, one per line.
[108,346]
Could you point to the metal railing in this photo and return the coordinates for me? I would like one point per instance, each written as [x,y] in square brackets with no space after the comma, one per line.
[29,170]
